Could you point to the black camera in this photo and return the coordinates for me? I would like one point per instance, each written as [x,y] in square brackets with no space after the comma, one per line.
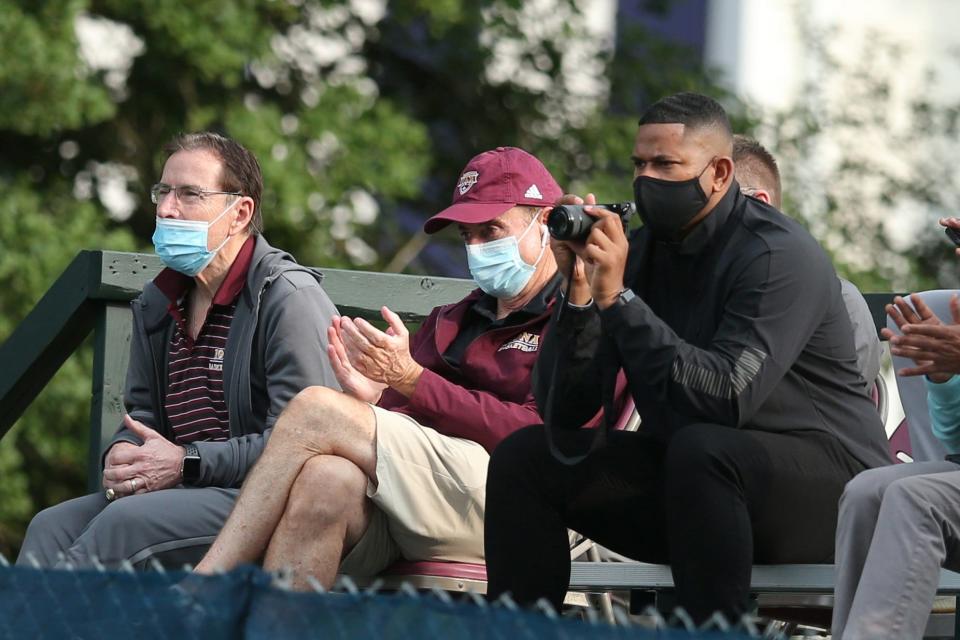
[570,222]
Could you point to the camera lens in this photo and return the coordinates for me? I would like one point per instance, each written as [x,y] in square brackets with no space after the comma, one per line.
[559,223]
[569,222]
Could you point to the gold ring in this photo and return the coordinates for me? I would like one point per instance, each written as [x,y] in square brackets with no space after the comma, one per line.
[133,485]
[110,494]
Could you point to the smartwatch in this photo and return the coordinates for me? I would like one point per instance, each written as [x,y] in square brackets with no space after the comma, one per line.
[190,467]
[625,296]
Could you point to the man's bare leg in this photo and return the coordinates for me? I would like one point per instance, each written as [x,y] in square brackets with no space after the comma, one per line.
[326,514]
[318,421]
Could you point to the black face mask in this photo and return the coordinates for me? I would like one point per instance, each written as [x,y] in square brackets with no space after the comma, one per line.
[667,206]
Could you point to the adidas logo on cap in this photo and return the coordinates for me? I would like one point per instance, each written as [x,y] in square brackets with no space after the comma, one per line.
[533,192]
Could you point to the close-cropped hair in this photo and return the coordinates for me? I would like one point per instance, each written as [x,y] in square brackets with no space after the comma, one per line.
[756,167]
[240,169]
[693,110]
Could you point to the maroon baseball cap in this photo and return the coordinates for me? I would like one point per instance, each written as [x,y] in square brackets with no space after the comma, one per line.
[494,182]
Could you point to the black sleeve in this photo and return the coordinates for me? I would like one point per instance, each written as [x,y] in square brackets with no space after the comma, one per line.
[770,311]
[569,364]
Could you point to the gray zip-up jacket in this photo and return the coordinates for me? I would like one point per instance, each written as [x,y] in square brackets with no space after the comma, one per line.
[277,346]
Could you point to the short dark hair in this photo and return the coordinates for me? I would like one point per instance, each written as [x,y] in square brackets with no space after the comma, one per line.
[756,167]
[240,169]
[693,110]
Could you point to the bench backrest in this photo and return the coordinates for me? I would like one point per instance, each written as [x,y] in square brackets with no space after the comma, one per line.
[94,292]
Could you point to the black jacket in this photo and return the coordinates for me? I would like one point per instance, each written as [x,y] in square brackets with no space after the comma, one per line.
[741,324]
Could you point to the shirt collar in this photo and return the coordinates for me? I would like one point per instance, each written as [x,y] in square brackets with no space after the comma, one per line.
[174,285]
[540,302]
[232,285]
[486,305]
[701,235]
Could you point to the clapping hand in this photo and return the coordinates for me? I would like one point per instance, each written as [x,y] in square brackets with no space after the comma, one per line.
[381,356]
[351,381]
[933,346]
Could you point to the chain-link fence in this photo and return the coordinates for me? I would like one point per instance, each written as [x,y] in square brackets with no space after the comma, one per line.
[249,603]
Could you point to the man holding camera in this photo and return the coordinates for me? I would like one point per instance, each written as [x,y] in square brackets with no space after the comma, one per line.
[395,466]
[738,352]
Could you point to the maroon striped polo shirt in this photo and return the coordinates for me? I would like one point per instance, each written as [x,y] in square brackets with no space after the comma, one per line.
[195,404]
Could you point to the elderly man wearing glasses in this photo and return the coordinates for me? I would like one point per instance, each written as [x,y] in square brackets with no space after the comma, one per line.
[223,338]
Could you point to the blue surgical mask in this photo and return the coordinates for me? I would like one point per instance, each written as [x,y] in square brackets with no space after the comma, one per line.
[182,244]
[497,267]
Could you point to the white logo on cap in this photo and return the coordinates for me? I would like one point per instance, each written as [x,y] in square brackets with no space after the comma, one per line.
[467,180]
[532,192]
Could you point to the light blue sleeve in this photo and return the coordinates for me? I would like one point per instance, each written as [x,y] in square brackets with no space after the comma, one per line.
[943,402]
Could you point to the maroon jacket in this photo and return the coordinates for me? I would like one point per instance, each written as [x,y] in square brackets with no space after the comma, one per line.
[489,397]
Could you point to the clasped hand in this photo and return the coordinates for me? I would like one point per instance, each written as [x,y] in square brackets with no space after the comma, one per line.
[151,466]
[366,360]
[600,259]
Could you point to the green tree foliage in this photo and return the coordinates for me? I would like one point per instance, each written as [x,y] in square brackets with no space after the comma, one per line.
[867,157]
[46,88]
[42,459]
[358,111]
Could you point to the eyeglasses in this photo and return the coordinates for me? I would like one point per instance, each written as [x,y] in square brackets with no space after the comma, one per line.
[185,193]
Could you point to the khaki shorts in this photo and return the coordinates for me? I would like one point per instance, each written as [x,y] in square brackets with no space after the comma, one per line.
[428,498]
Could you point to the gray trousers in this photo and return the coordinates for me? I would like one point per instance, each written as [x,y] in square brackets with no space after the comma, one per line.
[897,526]
[175,526]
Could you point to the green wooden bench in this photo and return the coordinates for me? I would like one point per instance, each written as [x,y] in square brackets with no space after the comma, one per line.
[93,295]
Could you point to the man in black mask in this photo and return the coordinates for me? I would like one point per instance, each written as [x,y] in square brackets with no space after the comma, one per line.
[728,322]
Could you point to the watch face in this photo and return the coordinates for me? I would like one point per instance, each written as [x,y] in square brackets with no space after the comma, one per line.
[191,468]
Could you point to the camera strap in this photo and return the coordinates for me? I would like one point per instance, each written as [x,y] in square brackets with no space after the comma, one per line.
[608,389]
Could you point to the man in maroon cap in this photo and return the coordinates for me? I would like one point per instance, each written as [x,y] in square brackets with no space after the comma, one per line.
[395,465]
